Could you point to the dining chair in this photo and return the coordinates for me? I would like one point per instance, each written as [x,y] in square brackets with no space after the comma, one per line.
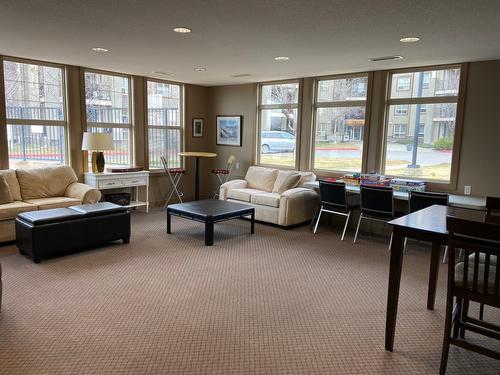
[419,200]
[222,174]
[471,280]
[333,200]
[174,176]
[377,204]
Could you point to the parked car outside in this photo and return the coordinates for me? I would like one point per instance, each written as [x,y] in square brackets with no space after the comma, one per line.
[277,141]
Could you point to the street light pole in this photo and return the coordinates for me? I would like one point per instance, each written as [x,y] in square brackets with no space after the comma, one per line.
[417,123]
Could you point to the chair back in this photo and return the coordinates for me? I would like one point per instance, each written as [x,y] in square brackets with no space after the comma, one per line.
[493,206]
[377,200]
[230,162]
[423,199]
[164,162]
[478,276]
[333,194]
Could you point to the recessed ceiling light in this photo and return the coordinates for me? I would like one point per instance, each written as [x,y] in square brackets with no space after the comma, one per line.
[182,30]
[200,69]
[385,58]
[100,49]
[282,58]
[162,73]
[409,39]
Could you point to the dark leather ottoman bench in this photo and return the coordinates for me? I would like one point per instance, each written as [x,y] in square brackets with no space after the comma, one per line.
[59,231]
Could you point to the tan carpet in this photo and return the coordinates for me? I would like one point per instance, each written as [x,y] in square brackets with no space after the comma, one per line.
[278,302]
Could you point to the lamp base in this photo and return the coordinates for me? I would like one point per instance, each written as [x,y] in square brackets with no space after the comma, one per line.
[97,162]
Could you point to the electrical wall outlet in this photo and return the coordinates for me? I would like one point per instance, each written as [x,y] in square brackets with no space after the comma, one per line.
[467,190]
[237,165]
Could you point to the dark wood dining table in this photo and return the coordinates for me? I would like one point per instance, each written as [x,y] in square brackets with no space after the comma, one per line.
[427,225]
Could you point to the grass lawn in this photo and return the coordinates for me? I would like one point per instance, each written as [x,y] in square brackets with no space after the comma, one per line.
[434,172]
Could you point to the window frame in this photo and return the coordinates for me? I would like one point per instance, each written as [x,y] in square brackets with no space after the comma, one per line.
[261,107]
[351,103]
[181,127]
[130,125]
[457,139]
[27,122]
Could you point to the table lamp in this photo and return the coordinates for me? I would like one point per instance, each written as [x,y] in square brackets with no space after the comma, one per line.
[97,142]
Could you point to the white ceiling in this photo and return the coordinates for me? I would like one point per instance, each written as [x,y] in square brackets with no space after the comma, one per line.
[233,37]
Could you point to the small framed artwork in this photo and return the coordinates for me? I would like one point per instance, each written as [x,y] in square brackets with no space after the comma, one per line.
[197,127]
[229,130]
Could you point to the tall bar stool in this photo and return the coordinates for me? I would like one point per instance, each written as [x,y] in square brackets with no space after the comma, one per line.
[223,174]
[377,204]
[423,199]
[174,175]
[333,200]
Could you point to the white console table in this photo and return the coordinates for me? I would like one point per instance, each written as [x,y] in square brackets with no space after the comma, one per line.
[122,180]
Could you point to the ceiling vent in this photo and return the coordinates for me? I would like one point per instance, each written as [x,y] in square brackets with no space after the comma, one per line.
[386,58]
[241,75]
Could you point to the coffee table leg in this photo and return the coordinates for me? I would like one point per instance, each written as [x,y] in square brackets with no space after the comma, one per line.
[168,223]
[209,232]
[252,223]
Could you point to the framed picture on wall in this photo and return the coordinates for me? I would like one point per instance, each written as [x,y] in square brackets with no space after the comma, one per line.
[229,130]
[197,127]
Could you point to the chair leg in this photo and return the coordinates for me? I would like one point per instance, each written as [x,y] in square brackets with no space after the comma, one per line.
[447,333]
[404,245]
[456,317]
[481,311]
[357,228]
[317,221]
[465,313]
[390,242]
[345,226]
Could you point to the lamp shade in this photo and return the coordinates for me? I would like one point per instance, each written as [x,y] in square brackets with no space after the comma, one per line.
[97,141]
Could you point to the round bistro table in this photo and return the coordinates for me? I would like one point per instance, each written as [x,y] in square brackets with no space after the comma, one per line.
[197,156]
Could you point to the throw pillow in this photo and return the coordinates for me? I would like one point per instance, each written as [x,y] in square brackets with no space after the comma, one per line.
[5,195]
[286,180]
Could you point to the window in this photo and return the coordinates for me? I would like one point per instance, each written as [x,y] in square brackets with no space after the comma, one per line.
[278,116]
[400,110]
[107,101]
[35,103]
[426,150]
[165,123]
[403,83]
[339,122]
[399,130]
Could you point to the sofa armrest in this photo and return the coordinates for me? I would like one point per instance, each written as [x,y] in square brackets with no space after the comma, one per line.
[86,193]
[233,184]
[297,205]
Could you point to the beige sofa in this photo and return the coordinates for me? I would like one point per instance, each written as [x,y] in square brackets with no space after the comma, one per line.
[40,189]
[277,195]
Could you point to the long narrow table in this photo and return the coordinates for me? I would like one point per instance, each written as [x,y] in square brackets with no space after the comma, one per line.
[427,225]
[463,201]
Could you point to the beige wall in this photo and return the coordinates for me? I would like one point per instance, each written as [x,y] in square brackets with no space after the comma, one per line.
[480,149]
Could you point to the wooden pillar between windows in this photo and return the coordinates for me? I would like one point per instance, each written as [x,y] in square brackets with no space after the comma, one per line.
[140,134]
[75,116]
[4,153]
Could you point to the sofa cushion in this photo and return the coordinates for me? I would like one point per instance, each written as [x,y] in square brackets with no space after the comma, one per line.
[5,195]
[266,199]
[286,180]
[242,194]
[11,178]
[45,182]
[305,177]
[261,178]
[54,202]
[9,211]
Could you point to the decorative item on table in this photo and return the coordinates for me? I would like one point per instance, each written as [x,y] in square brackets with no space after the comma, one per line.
[374,179]
[123,199]
[403,184]
[229,130]
[332,179]
[97,143]
[125,169]
[197,127]
[352,179]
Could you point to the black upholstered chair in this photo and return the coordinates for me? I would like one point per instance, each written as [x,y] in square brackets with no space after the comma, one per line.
[333,200]
[476,279]
[377,204]
[423,199]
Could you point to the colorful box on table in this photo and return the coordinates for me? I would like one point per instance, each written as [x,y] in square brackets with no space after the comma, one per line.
[402,184]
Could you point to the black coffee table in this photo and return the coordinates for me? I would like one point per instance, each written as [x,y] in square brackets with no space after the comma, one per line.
[210,211]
